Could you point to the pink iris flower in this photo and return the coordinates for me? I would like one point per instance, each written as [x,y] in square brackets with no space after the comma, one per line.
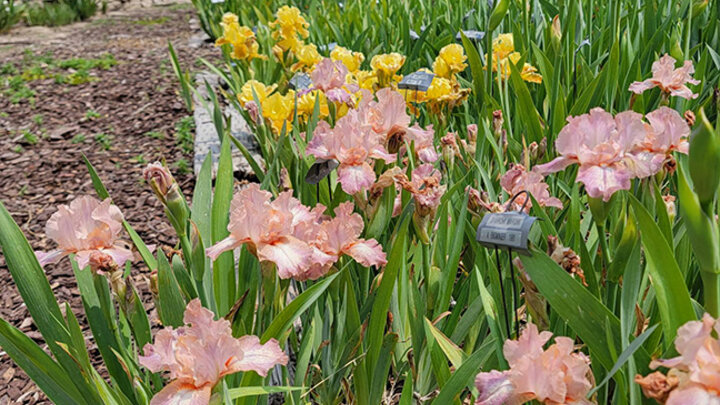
[342,236]
[329,74]
[390,120]
[268,229]
[198,356]
[667,132]
[696,370]
[670,80]
[518,179]
[601,146]
[85,227]
[556,375]
[303,243]
[354,145]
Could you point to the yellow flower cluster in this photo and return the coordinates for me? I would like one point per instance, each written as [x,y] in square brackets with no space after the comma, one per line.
[241,38]
[503,53]
[307,56]
[385,66]
[450,60]
[289,28]
[351,60]
[279,110]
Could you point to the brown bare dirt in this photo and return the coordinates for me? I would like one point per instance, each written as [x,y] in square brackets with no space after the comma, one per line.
[135,105]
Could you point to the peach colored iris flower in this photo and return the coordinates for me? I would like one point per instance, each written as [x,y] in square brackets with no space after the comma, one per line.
[267,227]
[341,236]
[302,242]
[198,356]
[556,375]
[601,145]
[390,120]
[354,145]
[666,132]
[84,227]
[696,370]
[670,80]
[518,179]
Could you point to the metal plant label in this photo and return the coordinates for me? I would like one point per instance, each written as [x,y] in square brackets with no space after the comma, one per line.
[471,35]
[417,81]
[300,81]
[319,170]
[506,229]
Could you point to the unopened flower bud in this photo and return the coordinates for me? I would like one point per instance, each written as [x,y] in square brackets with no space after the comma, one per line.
[556,29]
[690,118]
[252,109]
[449,148]
[285,182]
[497,123]
[153,282]
[159,178]
[669,201]
[472,131]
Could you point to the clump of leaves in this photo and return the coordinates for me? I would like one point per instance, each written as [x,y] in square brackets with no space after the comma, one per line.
[155,135]
[79,138]
[184,134]
[182,166]
[104,140]
[91,115]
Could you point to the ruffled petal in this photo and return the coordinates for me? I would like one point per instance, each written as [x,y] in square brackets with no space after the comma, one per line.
[693,394]
[224,245]
[119,254]
[555,165]
[291,256]
[367,252]
[49,257]
[604,181]
[640,87]
[258,357]
[181,393]
[355,178]
[495,388]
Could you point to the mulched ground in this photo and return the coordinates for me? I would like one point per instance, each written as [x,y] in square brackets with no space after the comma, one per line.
[133,98]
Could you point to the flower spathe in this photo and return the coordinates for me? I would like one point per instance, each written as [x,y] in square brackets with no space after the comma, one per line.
[670,80]
[556,375]
[199,355]
[354,144]
[518,179]
[601,145]
[85,227]
[696,371]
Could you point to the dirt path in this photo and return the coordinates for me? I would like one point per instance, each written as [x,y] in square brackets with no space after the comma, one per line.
[122,111]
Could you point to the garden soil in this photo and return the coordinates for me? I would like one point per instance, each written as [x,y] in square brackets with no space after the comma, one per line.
[123,118]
